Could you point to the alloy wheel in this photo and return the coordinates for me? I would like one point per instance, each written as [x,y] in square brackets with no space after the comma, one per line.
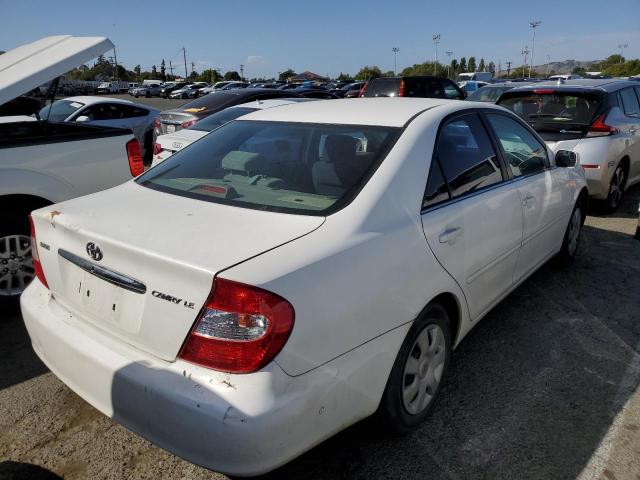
[16,264]
[423,369]
[617,187]
[575,228]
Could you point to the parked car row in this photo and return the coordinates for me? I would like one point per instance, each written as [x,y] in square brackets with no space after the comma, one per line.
[185,302]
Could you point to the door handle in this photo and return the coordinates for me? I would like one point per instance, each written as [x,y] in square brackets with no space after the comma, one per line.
[450,235]
[527,200]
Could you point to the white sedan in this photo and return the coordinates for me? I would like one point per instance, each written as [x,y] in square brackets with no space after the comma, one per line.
[295,271]
[106,112]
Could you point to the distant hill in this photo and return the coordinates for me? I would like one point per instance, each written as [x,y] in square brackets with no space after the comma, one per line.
[566,66]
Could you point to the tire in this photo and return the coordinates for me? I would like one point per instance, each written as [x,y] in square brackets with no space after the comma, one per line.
[148,95]
[402,411]
[15,234]
[616,188]
[572,236]
[184,95]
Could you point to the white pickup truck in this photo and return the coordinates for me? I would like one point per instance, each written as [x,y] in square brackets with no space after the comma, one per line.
[43,162]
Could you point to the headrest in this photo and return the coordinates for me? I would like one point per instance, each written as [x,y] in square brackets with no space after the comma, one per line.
[242,162]
[340,148]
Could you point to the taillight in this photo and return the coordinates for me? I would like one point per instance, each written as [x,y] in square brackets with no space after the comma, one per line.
[363,89]
[600,129]
[586,165]
[157,148]
[134,154]
[37,266]
[240,329]
[544,91]
[188,123]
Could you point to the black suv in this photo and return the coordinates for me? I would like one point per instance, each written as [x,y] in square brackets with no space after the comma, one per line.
[425,87]
[170,87]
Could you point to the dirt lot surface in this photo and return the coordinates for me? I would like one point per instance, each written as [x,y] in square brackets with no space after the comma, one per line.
[545,387]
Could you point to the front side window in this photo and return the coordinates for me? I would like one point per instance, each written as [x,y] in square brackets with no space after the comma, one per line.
[311,169]
[466,156]
[629,102]
[523,152]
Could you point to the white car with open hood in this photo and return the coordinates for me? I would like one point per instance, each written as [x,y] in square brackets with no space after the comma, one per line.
[44,162]
[296,270]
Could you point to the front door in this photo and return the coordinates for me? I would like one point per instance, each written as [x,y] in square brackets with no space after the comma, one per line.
[472,218]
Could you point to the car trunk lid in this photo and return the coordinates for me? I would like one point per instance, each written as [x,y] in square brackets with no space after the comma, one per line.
[143,273]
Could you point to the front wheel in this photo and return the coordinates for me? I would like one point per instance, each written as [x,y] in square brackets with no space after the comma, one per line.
[418,372]
[616,189]
[572,236]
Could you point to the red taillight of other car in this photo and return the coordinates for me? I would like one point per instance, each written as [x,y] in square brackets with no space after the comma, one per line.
[600,129]
[134,154]
[188,123]
[401,92]
[157,148]
[240,329]
[37,266]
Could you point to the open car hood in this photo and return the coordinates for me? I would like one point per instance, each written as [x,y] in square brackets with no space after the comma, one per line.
[28,66]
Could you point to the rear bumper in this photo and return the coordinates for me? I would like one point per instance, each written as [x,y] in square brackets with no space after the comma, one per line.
[237,424]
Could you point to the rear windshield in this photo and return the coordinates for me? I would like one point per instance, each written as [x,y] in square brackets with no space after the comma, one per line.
[383,87]
[220,118]
[310,169]
[486,94]
[553,110]
[60,110]
[214,100]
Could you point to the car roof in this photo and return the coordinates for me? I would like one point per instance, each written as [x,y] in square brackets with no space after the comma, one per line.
[275,102]
[357,111]
[602,84]
[88,99]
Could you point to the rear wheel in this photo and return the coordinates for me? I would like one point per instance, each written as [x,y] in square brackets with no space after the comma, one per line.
[416,378]
[616,188]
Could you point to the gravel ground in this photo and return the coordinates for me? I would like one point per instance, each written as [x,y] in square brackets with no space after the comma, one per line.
[545,387]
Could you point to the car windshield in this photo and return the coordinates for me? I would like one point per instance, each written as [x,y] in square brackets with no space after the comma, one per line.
[60,110]
[487,94]
[304,168]
[548,109]
[383,87]
[220,118]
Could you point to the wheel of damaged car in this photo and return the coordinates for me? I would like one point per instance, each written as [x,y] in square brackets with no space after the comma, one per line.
[416,378]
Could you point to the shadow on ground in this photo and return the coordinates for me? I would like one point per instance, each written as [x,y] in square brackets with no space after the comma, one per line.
[25,471]
[18,361]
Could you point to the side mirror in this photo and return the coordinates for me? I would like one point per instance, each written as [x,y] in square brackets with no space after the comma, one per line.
[82,118]
[566,158]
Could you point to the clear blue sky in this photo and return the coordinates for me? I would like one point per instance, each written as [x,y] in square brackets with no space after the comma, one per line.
[328,37]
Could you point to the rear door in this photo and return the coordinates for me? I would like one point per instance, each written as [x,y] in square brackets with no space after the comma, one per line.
[544,200]
[631,108]
[472,218]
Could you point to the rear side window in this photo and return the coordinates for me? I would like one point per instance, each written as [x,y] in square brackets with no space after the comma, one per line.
[423,87]
[466,156]
[629,102]
[311,169]
[450,91]
[436,190]
[523,152]
[383,87]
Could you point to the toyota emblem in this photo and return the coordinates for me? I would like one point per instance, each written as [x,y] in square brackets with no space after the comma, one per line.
[94,251]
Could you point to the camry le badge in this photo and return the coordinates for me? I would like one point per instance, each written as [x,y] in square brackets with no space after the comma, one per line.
[176,145]
[94,251]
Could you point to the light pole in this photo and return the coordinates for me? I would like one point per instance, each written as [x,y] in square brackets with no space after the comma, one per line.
[436,40]
[548,63]
[621,46]
[395,51]
[448,53]
[533,24]
[525,53]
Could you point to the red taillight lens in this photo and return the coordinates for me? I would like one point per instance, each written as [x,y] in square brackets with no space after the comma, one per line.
[544,91]
[600,129]
[401,90]
[188,123]
[364,89]
[134,154]
[37,266]
[157,148]
[240,329]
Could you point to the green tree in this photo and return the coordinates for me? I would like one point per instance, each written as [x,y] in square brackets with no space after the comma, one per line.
[471,67]
[425,68]
[579,71]
[463,64]
[454,68]
[232,75]
[389,73]
[210,76]
[154,72]
[343,77]
[482,66]
[368,72]
[491,68]
[163,70]
[137,71]
[284,76]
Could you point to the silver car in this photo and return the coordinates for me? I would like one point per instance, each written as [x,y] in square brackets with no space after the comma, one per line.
[147,90]
[597,119]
